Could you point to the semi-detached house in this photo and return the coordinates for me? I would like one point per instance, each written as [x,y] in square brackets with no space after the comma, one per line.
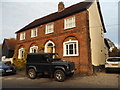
[76,33]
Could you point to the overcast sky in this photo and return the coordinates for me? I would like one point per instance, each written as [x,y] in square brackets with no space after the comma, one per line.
[15,14]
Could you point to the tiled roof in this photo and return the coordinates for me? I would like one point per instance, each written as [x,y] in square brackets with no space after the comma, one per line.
[11,43]
[58,15]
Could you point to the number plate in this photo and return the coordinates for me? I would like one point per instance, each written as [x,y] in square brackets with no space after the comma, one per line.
[115,64]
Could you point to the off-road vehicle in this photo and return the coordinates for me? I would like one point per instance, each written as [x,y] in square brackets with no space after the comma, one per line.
[48,64]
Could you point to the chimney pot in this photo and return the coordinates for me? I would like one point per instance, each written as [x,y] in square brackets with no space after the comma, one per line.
[61,6]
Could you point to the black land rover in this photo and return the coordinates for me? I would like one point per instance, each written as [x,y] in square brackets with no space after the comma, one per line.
[48,64]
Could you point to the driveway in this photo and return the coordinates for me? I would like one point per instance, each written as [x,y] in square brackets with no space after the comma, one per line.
[99,80]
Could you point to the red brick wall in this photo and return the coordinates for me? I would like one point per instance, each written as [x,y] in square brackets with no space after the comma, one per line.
[114,54]
[80,32]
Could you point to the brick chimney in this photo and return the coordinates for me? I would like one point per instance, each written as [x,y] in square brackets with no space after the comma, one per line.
[61,6]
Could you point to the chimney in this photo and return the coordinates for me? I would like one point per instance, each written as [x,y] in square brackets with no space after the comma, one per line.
[61,6]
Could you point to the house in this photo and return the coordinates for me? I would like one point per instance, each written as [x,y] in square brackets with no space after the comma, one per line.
[107,47]
[106,55]
[8,48]
[76,33]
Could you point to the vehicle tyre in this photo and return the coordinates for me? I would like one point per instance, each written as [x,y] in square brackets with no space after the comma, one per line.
[59,75]
[32,73]
[107,70]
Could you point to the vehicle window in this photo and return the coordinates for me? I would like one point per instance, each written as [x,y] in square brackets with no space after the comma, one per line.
[55,56]
[2,64]
[114,60]
[8,63]
[45,57]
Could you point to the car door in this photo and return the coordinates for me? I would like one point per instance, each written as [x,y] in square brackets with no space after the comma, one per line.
[45,64]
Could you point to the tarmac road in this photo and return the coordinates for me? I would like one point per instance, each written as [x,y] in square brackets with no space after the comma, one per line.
[100,80]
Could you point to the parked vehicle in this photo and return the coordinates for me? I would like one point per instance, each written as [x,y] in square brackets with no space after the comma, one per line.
[6,68]
[112,64]
[48,64]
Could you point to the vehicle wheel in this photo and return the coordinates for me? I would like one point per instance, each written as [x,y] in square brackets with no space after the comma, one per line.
[59,75]
[32,73]
[107,70]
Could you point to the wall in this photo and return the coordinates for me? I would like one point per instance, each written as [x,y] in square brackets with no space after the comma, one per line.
[97,36]
[80,33]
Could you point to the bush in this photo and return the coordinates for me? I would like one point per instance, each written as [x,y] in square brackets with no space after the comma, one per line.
[20,64]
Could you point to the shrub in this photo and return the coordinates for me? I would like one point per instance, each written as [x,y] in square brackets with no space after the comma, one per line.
[19,64]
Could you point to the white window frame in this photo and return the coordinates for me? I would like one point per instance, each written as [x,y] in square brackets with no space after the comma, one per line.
[46,45]
[48,27]
[32,48]
[34,32]
[20,56]
[69,43]
[22,36]
[69,22]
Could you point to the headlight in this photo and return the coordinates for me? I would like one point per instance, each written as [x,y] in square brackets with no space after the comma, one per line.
[67,67]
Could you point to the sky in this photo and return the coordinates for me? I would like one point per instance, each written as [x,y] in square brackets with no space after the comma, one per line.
[15,14]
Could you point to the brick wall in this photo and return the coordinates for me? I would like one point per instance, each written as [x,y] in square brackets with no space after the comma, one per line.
[80,33]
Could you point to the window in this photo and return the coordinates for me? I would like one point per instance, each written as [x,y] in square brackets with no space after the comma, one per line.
[71,48]
[21,53]
[69,22]
[34,49]
[49,28]
[22,36]
[34,32]
[49,47]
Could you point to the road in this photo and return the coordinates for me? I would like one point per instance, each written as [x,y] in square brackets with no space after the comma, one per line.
[99,80]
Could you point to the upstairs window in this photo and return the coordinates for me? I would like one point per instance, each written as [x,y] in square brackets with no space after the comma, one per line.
[34,32]
[69,22]
[34,49]
[22,36]
[70,48]
[49,28]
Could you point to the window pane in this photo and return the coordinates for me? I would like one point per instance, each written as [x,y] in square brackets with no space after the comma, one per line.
[75,48]
[71,46]
[35,50]
[67,49]
[50,44]
[71,49]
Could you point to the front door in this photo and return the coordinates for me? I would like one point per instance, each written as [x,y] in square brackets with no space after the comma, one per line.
[49,49]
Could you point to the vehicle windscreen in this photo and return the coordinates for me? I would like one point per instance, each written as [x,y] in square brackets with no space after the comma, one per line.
[2,64]
[114,60]
[55,56]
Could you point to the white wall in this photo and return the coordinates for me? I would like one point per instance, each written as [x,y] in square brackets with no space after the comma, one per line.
[7,59]
[97,36]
